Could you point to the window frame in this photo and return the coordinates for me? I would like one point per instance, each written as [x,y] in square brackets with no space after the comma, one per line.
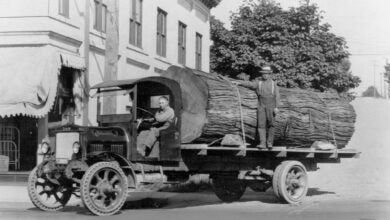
[135,25]
[182,41]
[198,51]
[161,45]
[63,8]
[100,24]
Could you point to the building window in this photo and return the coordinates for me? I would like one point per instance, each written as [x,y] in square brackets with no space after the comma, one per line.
[182,43]
[63,8]
[99,22]
[161,33]
[136,23]
[198,52]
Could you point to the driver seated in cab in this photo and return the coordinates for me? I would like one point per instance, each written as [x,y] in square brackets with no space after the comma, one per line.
[162,120]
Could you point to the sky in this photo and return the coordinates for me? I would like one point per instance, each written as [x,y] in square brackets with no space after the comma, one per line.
[364,24]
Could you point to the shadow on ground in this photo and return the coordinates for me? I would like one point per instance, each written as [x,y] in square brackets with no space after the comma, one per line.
[169,200]
[317,192]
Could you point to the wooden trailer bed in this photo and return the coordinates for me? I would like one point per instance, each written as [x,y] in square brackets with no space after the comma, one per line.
[277,151]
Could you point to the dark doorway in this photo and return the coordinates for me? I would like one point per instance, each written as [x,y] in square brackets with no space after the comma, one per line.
[64,106]
[21,131]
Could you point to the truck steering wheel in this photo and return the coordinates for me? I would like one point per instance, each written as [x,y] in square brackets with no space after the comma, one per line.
[140,120]
[144,110]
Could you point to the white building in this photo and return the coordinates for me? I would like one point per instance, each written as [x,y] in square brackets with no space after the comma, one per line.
[52,45]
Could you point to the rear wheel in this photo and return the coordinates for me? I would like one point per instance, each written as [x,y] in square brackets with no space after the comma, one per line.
[45,194]
[228,189]
[290,182]
[104,188]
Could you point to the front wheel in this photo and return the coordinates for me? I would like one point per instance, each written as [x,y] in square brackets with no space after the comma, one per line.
[45,194]
[228,189]
[104,188]
[290,182]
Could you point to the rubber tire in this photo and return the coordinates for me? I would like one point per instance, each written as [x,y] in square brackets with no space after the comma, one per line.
[84,188]
[220,185]
[279,180]
[32,193]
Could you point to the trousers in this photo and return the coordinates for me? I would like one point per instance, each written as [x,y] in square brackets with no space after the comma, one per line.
[265,117]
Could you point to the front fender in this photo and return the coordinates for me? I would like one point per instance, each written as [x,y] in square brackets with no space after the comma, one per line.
[126,165]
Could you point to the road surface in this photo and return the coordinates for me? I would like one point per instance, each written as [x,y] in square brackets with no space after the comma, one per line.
[204,205]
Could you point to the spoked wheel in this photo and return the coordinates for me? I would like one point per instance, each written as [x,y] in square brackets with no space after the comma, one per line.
[228,189]
[104,188]
[290,182]
[46,195]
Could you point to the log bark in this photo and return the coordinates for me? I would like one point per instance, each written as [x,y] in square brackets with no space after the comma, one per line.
[211,109]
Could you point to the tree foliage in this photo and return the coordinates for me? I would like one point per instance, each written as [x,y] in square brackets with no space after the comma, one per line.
[299,47]
[371,91]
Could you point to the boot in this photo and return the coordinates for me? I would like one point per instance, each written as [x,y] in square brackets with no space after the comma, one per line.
[262,136]
[270,139]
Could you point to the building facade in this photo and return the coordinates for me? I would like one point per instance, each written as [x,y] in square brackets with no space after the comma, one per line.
[71,37]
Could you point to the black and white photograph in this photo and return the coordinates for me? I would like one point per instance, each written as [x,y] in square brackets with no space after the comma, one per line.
[195,109]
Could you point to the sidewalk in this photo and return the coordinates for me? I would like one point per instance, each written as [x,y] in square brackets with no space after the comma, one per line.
[14,192]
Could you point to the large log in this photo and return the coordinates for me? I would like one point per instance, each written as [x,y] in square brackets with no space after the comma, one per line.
[211,110]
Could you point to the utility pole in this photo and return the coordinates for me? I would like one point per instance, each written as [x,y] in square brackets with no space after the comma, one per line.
[112,52]
[86,58]
[386,80]
[374,67]
[380,84]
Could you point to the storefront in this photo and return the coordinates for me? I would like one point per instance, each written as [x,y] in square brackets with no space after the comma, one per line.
[40,87]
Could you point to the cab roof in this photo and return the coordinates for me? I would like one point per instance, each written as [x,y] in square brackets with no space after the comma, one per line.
[132,82]
[117,83]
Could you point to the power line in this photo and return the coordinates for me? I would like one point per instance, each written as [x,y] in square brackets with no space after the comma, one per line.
[370,54]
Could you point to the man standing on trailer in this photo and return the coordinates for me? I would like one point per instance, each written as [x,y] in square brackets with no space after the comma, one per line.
[268,102]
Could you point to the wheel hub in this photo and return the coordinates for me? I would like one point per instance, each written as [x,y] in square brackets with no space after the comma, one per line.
[105,187]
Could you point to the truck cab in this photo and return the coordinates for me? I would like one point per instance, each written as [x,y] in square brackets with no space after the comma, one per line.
[137,102]
[98,163]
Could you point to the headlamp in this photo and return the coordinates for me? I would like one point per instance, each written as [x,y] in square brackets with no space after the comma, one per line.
[76,147]
[45,148]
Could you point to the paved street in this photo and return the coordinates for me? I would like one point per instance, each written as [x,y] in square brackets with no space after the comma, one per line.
[204,205]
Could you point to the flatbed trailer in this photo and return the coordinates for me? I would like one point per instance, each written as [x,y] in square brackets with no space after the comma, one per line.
[277,151]
[282,168]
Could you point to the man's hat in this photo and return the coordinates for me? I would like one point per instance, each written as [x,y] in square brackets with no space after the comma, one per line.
[266,69]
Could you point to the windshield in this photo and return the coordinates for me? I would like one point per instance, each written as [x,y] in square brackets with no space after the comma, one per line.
[119,101]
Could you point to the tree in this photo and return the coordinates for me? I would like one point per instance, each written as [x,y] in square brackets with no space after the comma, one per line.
[371,91]
[301,50]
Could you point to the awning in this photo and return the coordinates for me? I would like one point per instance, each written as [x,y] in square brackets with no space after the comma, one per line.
[72,61]
[29,77]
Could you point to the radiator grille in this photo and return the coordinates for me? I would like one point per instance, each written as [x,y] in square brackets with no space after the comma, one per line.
[96,147]
[64,143]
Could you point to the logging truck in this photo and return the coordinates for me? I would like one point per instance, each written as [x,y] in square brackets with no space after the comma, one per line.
[101,164]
